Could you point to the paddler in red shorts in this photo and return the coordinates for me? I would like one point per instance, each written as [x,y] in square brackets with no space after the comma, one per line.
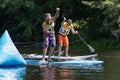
[66,27]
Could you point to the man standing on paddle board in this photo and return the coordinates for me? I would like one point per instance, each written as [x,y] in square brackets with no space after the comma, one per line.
[49,33]
[66,27]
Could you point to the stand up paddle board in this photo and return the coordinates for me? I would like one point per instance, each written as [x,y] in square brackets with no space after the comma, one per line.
[85,57]
[71,63]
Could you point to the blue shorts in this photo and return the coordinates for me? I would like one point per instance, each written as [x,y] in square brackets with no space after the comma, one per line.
[49,39]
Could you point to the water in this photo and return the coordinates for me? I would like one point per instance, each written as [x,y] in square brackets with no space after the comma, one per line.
[51,73]
[18,73]
[111,65]
[109,71]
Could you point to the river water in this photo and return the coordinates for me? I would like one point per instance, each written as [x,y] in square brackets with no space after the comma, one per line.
[109,71]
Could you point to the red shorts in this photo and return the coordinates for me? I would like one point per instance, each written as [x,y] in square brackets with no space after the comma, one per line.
[63,40]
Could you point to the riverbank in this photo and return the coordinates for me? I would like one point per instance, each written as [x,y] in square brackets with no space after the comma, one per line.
[101,44]
[98,45]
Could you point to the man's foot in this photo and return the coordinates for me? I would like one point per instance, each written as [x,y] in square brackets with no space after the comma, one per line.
[49,60]
[43,60]
[67,56]
[59,55]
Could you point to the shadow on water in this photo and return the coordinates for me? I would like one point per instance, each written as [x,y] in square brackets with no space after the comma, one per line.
[18,73]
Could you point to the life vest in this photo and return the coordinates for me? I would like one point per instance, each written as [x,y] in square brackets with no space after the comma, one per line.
[49,26]
[65,29]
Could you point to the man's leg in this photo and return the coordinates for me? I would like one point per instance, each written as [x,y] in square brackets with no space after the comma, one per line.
[44,53]
[66,44]
[52,46]
[50,53]
[45,47]
[60,43]
[59,50]
[66,51]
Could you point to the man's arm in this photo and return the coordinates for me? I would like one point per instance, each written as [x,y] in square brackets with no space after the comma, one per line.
[64,19]
[73,31]
[57,13]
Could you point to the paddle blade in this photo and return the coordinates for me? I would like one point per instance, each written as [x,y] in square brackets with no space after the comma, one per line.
[92,50]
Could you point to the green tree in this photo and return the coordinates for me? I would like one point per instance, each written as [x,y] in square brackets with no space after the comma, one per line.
[104,17]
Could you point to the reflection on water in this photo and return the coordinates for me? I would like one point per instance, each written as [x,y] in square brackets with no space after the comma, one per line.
[62,73]
[50,73]
[13,73]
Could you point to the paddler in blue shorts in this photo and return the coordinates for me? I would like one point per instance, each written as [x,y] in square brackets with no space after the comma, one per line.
[49,33]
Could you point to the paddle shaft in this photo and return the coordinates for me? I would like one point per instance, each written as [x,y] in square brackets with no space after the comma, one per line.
[90,48]
[82,39]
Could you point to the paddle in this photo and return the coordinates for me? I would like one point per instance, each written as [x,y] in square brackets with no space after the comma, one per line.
[61,53]
[92,50]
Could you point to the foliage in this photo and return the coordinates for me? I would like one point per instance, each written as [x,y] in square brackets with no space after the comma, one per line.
[105,17]
[94,19]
